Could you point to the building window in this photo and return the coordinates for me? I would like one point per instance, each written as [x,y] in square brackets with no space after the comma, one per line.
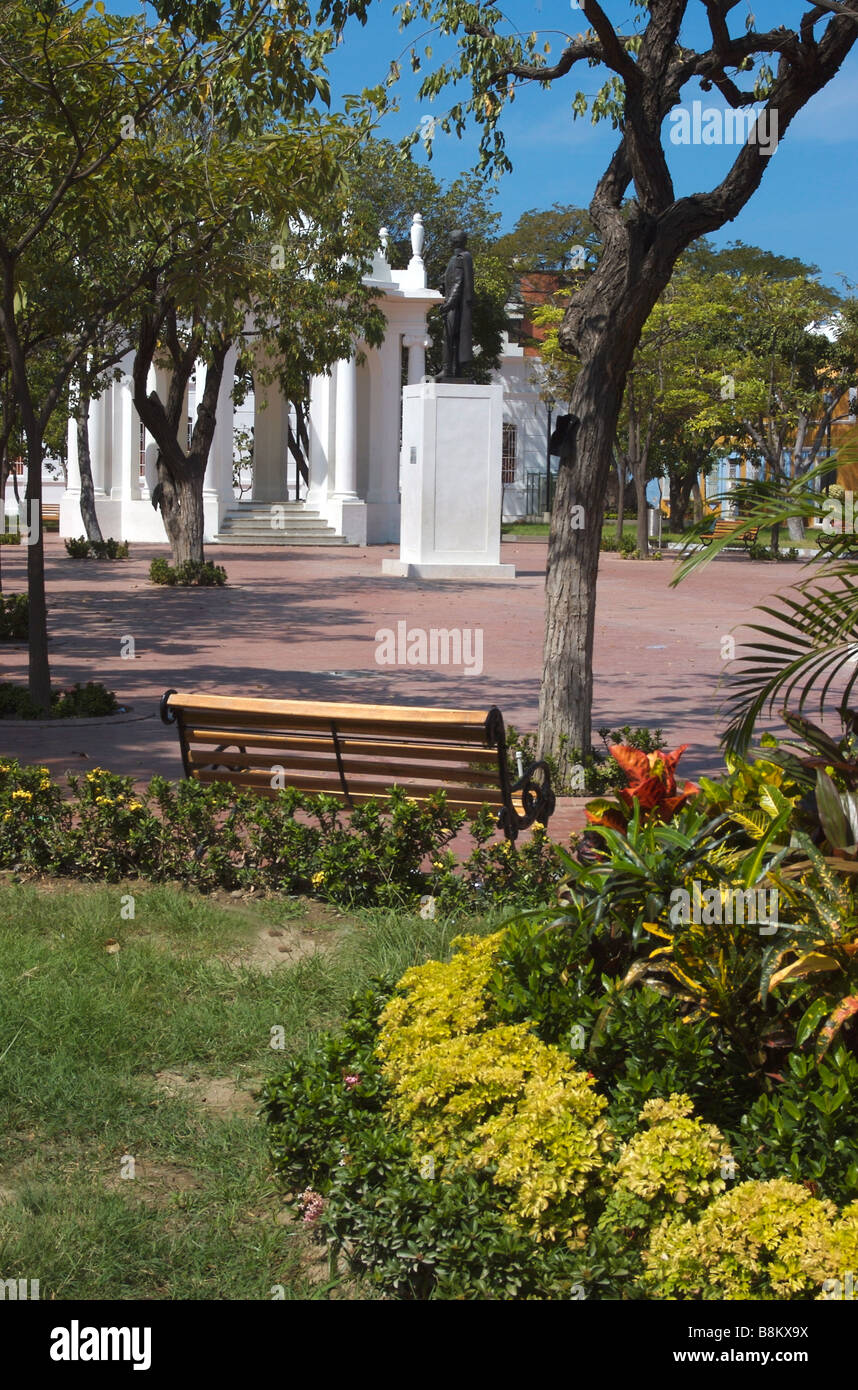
[508,453]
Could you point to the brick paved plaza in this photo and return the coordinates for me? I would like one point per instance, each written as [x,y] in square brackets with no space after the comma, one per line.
[302,622]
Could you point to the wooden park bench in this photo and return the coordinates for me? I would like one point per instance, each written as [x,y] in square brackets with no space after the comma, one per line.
[358,752]
[723,528]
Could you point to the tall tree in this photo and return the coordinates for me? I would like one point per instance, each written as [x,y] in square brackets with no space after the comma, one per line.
[76,87]
[561,238]
[268,266]
[651,67]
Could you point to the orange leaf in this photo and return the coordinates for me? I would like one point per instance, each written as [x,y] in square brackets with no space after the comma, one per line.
[846,1009]
[631,760]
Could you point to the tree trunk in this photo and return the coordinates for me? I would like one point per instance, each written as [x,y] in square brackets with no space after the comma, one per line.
[180,474]
[680,497]
[89,516]
[696,502]
[182,511]
[621,498]
[573,561]
[39,668]
[640,498]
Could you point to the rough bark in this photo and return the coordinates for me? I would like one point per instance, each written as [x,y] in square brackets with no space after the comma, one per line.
[641,243]
[39,673]
[573,562]
[180,472]
[621,498]
[89,516]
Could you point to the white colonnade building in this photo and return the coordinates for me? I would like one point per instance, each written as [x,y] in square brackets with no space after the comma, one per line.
[354,440]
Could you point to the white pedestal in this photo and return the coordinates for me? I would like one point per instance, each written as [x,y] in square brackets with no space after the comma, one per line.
[451,483]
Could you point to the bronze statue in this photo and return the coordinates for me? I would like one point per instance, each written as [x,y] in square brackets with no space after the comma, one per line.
[457,311]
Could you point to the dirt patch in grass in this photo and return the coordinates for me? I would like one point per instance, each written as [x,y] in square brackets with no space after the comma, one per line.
[282,940]
[154,1183]
[218,1095]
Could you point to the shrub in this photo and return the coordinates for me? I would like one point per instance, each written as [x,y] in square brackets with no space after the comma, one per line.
[441,1156]
[675,1162]
[218,837]
[80,701]
[78,548]
[88,701]
[410,1233]
[803,1129]
[626,545]
[598,772]
[161,571]
[14,617]
[763,1240]
[192,572]
[10,537]
[15,702]
[110,549]
[491,1097]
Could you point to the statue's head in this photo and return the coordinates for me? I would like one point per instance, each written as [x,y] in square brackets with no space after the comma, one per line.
[458,240]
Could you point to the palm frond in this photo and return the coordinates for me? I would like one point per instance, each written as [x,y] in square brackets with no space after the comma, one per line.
[760,505]
[814,644]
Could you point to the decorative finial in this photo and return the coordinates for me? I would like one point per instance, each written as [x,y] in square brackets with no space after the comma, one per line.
[418,236]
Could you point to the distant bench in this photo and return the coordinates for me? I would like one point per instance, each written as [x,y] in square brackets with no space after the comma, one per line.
[358,752]
[723,529]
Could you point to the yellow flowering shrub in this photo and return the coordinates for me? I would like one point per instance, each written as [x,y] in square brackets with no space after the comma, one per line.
[675,1162]
[480,1096]
[761,1240]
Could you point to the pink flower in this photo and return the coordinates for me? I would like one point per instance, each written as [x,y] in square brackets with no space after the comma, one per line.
[313,1204]
[351,1079]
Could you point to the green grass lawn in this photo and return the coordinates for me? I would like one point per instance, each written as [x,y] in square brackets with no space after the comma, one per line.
[88,1031]
[538,528]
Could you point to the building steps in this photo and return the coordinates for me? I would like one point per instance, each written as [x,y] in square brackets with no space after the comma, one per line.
[275,523]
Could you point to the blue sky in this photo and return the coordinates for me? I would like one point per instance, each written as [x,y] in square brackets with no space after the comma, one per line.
[807,205]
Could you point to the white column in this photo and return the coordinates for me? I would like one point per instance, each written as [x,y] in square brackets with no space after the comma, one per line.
[270,422]
[345,462]
[126,445]
[72,461]
[416,345]
[210,481]
[319,427]
[223,444]
[98,423]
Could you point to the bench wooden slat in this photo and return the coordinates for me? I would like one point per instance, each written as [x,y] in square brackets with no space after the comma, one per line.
[321,711]
[228,758]
[388,748]
[471,797]
[358,727]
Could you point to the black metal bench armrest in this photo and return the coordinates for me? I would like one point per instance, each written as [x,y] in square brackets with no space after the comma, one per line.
[537,799]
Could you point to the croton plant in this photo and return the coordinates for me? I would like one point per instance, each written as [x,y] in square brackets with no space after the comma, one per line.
[651,783]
